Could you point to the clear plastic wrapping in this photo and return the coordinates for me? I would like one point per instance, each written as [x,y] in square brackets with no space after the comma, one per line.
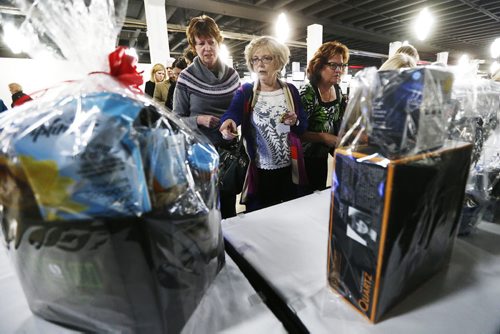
[474,118]
[108,206]
[397,189]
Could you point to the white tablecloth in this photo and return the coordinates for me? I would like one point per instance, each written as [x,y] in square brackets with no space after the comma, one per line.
[287,244]
[230,305]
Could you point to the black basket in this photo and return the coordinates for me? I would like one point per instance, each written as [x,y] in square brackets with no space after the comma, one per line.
[123,275]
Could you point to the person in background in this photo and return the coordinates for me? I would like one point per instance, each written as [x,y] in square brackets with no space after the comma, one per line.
[157,86]
[324,105]
[3,107]
[189,55]
[178,65]
[410,51]
[205,89]
[267,110]
[18,97]
[397,61]
[170,74]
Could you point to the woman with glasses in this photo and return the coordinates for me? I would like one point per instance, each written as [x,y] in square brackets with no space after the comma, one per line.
[205,89]
[267,110]
[324,105]
[157,86]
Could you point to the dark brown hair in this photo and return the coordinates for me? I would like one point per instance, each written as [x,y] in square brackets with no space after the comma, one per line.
[321,56]
[202,26]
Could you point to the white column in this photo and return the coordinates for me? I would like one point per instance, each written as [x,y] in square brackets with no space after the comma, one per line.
[442,57]
[393,47]
[156,20]
[314,39]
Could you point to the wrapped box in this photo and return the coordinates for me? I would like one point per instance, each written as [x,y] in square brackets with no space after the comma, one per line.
[393,222]
[408,110]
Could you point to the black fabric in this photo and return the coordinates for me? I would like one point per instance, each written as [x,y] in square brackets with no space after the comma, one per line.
[149,89]
[270,296]
[317,172]
[233,165]
[273,187]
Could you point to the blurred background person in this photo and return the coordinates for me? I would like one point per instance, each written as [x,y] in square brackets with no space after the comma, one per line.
[324,105]
[3,107]
[205,89]
[157,86]
[397,61]
[410,51]
[267,110]
[178,65]
[189,55]
[18,97]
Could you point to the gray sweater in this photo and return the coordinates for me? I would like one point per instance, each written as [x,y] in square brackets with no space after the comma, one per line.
[200,92]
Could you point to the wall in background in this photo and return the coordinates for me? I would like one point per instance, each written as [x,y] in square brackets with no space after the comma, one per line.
[34,75]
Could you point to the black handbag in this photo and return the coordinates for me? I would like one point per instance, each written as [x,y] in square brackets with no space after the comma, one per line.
[233,166]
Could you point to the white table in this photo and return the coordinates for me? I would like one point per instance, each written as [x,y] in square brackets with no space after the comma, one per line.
[230,305]
[287,245]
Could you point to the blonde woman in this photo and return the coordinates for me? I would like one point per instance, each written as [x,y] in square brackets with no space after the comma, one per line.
[157,86]
[399,60]
[268,110]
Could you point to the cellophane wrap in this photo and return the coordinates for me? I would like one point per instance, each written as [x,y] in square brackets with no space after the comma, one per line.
[397,189]
[474,118]
[108,204]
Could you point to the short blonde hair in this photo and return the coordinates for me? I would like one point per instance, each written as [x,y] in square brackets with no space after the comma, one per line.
[14,86]
[156,68]
[202,26]
[279,51]
[409,50]
[399,60]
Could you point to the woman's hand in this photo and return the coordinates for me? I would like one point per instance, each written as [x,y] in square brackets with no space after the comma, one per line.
[228,129]
[290,118]
[208,121]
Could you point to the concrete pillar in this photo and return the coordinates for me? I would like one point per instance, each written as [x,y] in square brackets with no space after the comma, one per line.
[393,47]
[442,57]
[156,20]
[314,39]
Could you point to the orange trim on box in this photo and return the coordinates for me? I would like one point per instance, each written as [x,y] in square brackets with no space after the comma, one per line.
[348,302]
[383,234]
[330,227]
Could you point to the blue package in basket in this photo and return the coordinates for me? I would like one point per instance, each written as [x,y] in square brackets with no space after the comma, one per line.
[85,161]
[409,110]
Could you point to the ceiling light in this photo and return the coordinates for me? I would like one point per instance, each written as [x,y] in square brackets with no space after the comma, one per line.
[423,24]
[282,29]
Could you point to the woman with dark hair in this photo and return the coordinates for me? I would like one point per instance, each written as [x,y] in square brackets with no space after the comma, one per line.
[324,105]
[205,89]
[178,65]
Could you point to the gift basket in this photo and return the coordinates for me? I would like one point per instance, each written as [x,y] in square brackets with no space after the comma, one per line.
[474,118]
[108,206]
[397,189]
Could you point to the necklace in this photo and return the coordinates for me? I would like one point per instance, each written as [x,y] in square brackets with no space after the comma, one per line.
[325,97]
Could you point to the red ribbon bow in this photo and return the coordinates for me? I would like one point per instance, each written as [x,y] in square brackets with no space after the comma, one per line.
[123,68]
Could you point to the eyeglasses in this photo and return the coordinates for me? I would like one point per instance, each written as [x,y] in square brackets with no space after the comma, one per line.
[337,66]
[264,60]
